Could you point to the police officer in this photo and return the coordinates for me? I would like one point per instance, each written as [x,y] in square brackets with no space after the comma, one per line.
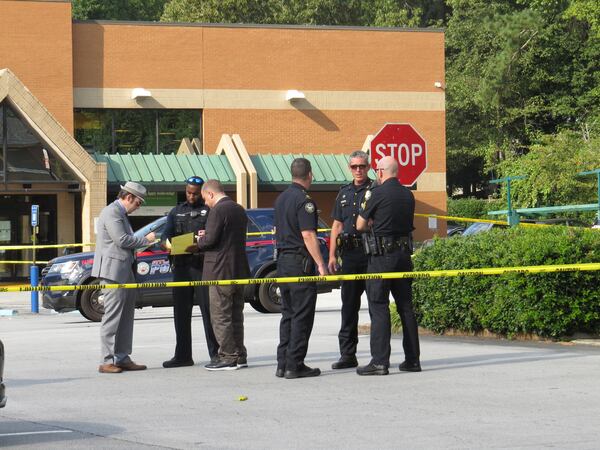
[298,251]
[189,217]
[389,210]
[346,244]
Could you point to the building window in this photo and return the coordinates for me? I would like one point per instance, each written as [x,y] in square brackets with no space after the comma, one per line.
[24,155]
[136,130]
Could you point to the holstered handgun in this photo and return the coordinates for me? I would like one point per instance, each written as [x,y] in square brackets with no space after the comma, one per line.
[339,246]
[371,244]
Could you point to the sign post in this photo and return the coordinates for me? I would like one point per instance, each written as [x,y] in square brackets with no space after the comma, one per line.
[403,143]
[34,273]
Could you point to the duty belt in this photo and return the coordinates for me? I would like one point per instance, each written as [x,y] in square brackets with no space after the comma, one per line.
[296,250]
[380,245]
[350,242]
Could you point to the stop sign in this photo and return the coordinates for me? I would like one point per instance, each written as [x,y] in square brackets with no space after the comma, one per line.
[403,143]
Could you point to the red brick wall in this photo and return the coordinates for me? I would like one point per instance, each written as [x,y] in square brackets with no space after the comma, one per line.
[36,45]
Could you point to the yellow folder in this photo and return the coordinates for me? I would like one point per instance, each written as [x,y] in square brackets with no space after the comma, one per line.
[180,243]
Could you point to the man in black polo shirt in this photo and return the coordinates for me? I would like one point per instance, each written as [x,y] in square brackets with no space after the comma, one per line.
[298,252]
[346,243]
[389,210]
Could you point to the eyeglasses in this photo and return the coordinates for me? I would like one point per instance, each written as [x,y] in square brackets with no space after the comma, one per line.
[196,181]
[358,166]
[379,169]
[137,201]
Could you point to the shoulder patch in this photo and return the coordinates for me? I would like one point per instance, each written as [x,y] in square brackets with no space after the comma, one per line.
[309,207]
[367,195]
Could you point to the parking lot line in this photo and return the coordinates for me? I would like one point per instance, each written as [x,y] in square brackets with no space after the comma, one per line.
[27,433]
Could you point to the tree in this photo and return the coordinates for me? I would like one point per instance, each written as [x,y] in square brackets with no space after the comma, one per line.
[150,10]
[382,13]
[551,167]
[515,70]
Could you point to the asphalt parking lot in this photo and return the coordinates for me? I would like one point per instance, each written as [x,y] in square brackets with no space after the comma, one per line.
[472,393]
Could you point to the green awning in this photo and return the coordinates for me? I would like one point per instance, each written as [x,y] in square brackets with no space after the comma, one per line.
[160,170]
[328,169]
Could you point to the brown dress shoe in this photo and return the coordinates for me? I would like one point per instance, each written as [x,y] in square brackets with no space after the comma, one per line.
[131,366]
[109,368]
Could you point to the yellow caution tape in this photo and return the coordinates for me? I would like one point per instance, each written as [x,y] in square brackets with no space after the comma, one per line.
[585,267]
[24,262]
[37,247]
[260,233]
[497,222]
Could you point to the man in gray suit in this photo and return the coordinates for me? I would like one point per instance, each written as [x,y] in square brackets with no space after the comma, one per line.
[114,262]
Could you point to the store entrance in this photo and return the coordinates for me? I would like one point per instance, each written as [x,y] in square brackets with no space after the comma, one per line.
[15,229]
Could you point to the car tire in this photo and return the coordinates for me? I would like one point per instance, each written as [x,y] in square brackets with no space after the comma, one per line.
[269,294]
[255,303]
[90,305]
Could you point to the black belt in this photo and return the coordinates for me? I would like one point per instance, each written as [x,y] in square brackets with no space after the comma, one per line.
[296,251]
[351,242]
[392,243]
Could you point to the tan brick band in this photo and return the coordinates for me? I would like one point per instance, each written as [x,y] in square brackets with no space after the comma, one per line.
[261,99]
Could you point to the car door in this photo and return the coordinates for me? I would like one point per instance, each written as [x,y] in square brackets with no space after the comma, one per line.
[153,266]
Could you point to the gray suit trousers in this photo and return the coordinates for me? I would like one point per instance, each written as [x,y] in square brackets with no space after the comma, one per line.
[116,330]
[227,317]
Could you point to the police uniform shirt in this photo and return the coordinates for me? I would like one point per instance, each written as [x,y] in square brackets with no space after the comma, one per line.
[185,218]
[295,212]
[392,208]
[347,205]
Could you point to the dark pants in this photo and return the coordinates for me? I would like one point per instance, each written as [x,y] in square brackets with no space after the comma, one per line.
[183,302]
[378,293]
[227,316]
[298,302]
[353,261]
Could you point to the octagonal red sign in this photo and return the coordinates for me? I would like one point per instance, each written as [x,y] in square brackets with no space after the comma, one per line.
[403,143]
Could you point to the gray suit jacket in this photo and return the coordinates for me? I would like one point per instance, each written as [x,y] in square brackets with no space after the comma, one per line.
[115,246]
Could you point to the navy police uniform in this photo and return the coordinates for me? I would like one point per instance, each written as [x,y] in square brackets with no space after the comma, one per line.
[295,212]
[186,218]
[392,207]
[353,260]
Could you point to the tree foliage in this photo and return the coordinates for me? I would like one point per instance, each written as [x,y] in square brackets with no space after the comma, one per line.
[150,10]
[551,167]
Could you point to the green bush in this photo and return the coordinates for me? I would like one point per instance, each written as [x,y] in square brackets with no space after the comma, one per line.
[549,305]
[473,208]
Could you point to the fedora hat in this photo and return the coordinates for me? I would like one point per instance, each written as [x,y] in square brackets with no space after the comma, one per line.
[136,189]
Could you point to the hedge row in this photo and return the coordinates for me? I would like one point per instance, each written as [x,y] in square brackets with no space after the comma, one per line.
[549,305]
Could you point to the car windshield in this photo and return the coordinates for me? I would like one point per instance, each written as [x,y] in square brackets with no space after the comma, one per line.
[157,226]
[477,227]
[261,220]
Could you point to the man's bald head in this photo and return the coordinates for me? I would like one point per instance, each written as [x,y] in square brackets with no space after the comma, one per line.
[389,166]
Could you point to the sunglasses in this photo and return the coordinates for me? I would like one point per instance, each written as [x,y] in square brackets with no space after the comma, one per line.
[358,166]
[196,181]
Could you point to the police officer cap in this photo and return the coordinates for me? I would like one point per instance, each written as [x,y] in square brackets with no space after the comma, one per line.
[136,189]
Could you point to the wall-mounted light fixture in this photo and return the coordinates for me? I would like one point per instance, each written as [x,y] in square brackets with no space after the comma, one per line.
[294,94]
[139,93]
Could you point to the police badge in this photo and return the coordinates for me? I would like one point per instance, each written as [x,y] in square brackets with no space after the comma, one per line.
[309,207]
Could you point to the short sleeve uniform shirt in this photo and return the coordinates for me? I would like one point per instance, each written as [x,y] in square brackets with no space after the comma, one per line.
[295,211]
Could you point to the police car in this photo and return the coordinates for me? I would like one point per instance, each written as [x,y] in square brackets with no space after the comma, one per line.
[153,266]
